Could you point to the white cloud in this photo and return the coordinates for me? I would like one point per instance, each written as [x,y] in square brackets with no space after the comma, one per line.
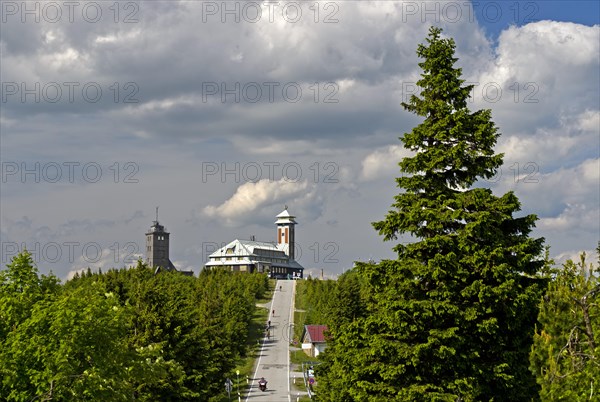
[383,162]
[250,198]
[118,37]
[566,199]
[545,71]
[576,137]
[578,216]
[591,257]
[589,121]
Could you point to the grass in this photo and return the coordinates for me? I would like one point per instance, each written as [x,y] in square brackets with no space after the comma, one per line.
[301,299]
[299,385]
[299,319]
[301,307]
[299,357]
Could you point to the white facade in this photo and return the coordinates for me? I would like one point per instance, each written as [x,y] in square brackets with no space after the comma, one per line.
[276,259]
[286,232]
[313,349]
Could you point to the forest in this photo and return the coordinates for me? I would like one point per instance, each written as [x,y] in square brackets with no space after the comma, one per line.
[562,361]
[122,335]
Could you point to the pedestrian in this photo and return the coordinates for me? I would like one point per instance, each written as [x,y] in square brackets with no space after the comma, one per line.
[273,313]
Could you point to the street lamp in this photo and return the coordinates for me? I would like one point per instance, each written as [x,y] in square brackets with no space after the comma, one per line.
[237,372]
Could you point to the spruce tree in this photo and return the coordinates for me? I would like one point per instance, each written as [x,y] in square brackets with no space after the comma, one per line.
[452,318]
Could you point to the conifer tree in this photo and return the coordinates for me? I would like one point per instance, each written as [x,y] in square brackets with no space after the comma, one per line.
[565,356]
[452,318]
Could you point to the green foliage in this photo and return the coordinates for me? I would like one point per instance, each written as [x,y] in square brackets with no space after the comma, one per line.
[326,301]
[20,288]
[66,345]
[72,349]
[347,299]
[314,296]
[565,356]
[122,335]
[453,317]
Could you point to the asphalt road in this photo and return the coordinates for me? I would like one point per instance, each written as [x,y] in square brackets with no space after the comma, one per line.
[274,361]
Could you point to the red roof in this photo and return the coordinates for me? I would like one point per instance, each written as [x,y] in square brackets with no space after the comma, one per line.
[316,333]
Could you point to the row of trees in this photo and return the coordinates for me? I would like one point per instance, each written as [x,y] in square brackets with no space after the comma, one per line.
[123,335]
[359,364]
[313,298]
[327,301]
[454,316]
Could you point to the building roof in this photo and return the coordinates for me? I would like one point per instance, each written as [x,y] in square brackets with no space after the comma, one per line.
[244,248]
[316,333]
[157,228]
[285,217]
[250,252]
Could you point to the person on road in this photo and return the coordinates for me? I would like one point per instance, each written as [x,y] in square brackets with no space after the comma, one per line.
[262,384]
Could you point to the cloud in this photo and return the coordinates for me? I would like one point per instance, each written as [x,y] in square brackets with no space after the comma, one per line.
[251,199]
[548,194]
[540,73]
[104,259]
[383,162]
[591,257]
[576,138]
[547,113]
[580,216]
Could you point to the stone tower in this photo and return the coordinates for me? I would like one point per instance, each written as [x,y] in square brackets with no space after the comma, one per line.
[286,232]
[157,246]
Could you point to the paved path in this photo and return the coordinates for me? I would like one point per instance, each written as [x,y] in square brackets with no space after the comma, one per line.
[274,360]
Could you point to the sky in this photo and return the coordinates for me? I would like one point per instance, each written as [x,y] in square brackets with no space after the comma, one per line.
[222,113]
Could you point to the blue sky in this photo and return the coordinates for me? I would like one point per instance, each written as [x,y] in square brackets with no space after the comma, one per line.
[223,119]
[495,16]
